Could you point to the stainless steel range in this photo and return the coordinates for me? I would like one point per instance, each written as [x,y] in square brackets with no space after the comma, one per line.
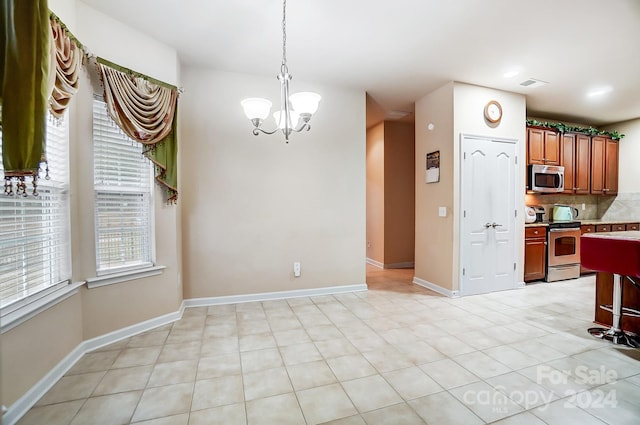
[563,250]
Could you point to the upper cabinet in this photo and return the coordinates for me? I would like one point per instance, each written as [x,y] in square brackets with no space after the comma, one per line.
[590,162]
[604,166]
[543,147]
[575,157]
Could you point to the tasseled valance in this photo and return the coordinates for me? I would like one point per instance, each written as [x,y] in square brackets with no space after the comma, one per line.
[145,109]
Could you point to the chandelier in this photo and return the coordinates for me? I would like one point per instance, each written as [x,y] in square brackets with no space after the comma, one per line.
[295,110]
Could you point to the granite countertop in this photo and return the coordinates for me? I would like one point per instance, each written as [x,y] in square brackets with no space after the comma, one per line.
[541,224]
[596,222]
[632,235]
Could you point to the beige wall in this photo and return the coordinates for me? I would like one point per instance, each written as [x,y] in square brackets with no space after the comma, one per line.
[375,192]
[29,351]
[628,170]
[456,109]
[254,205]
[399,187]
[434,235]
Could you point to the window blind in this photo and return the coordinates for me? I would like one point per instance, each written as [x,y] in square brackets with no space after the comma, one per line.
[122,184]
[34,230]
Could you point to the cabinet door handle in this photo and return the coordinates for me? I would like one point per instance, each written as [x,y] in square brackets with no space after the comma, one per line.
[487,225]
[494,225]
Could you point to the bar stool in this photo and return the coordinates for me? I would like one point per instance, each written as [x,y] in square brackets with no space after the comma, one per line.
[615,334]
[617,253]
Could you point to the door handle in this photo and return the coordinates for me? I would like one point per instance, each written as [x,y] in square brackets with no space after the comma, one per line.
[494,225]
[487,225]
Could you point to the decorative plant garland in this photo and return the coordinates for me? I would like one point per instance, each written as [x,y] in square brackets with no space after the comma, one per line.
[563,128]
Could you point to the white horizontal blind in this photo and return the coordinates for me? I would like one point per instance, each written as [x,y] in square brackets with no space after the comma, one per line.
[34,230]
[122,184]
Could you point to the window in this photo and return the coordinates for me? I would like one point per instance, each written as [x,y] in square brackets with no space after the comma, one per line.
[34,230]
[122,184]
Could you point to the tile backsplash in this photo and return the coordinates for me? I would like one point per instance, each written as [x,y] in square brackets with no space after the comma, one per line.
[624,206]
[591,203]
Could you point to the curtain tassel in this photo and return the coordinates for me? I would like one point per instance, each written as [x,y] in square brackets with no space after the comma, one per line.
[8,186]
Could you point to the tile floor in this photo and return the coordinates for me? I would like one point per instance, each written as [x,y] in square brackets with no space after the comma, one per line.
[397,354]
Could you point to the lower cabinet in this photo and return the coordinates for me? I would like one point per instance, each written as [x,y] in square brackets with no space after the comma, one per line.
[535,253]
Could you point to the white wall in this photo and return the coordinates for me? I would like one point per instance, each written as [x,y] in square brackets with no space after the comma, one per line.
[254,205]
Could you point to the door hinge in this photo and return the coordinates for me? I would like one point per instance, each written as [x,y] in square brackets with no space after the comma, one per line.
[515,213]
[464,214]
[463,271]
[514,266]
[464,155]
[516,159]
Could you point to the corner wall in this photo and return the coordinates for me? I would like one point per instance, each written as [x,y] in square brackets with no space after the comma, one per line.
[375,193]
[626,205]
[434,244]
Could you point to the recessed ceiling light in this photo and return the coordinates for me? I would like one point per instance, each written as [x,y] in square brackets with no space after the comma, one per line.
[511,74]
[600,91]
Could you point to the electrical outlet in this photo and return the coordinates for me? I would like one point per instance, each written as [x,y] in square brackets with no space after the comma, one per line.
[368,244]
[584,207]
[296,269]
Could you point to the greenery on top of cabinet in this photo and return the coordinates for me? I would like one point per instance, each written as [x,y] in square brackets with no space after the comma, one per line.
[564,128]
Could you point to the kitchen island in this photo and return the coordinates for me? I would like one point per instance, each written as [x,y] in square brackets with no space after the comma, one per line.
[611,254]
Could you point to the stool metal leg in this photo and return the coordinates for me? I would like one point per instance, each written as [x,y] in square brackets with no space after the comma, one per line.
[615,333]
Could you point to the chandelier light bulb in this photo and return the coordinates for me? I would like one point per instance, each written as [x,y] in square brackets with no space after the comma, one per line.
[305,102]
[280,118]
[256,108]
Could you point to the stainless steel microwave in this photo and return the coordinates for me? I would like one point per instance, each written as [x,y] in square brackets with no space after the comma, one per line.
[545,178]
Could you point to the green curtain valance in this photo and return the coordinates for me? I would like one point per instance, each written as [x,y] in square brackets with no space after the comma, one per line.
[41,67]
[145,109]
[24,88]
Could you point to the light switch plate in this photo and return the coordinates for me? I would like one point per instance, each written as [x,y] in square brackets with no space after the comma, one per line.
[442,211]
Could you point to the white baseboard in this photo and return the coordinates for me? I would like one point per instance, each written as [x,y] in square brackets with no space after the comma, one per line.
[375,263]
[403,265]
[436,288]
[267,296]
[31,397]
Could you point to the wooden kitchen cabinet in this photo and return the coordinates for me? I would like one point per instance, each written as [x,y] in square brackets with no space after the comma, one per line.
[618,227]
[604,166]
[543,147]
[603,228]
[575,157]
[632,226]
[586,229]
[535,253]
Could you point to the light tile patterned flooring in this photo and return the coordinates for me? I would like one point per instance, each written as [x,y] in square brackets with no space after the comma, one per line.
[397,354]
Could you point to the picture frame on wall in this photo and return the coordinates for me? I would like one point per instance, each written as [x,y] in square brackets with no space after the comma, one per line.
[433,167]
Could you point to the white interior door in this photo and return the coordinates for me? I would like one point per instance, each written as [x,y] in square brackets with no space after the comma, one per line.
[487,231]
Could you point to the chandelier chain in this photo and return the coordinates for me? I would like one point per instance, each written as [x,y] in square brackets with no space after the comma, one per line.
[284,33]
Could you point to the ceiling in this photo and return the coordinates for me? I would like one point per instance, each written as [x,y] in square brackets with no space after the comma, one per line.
[398,51]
